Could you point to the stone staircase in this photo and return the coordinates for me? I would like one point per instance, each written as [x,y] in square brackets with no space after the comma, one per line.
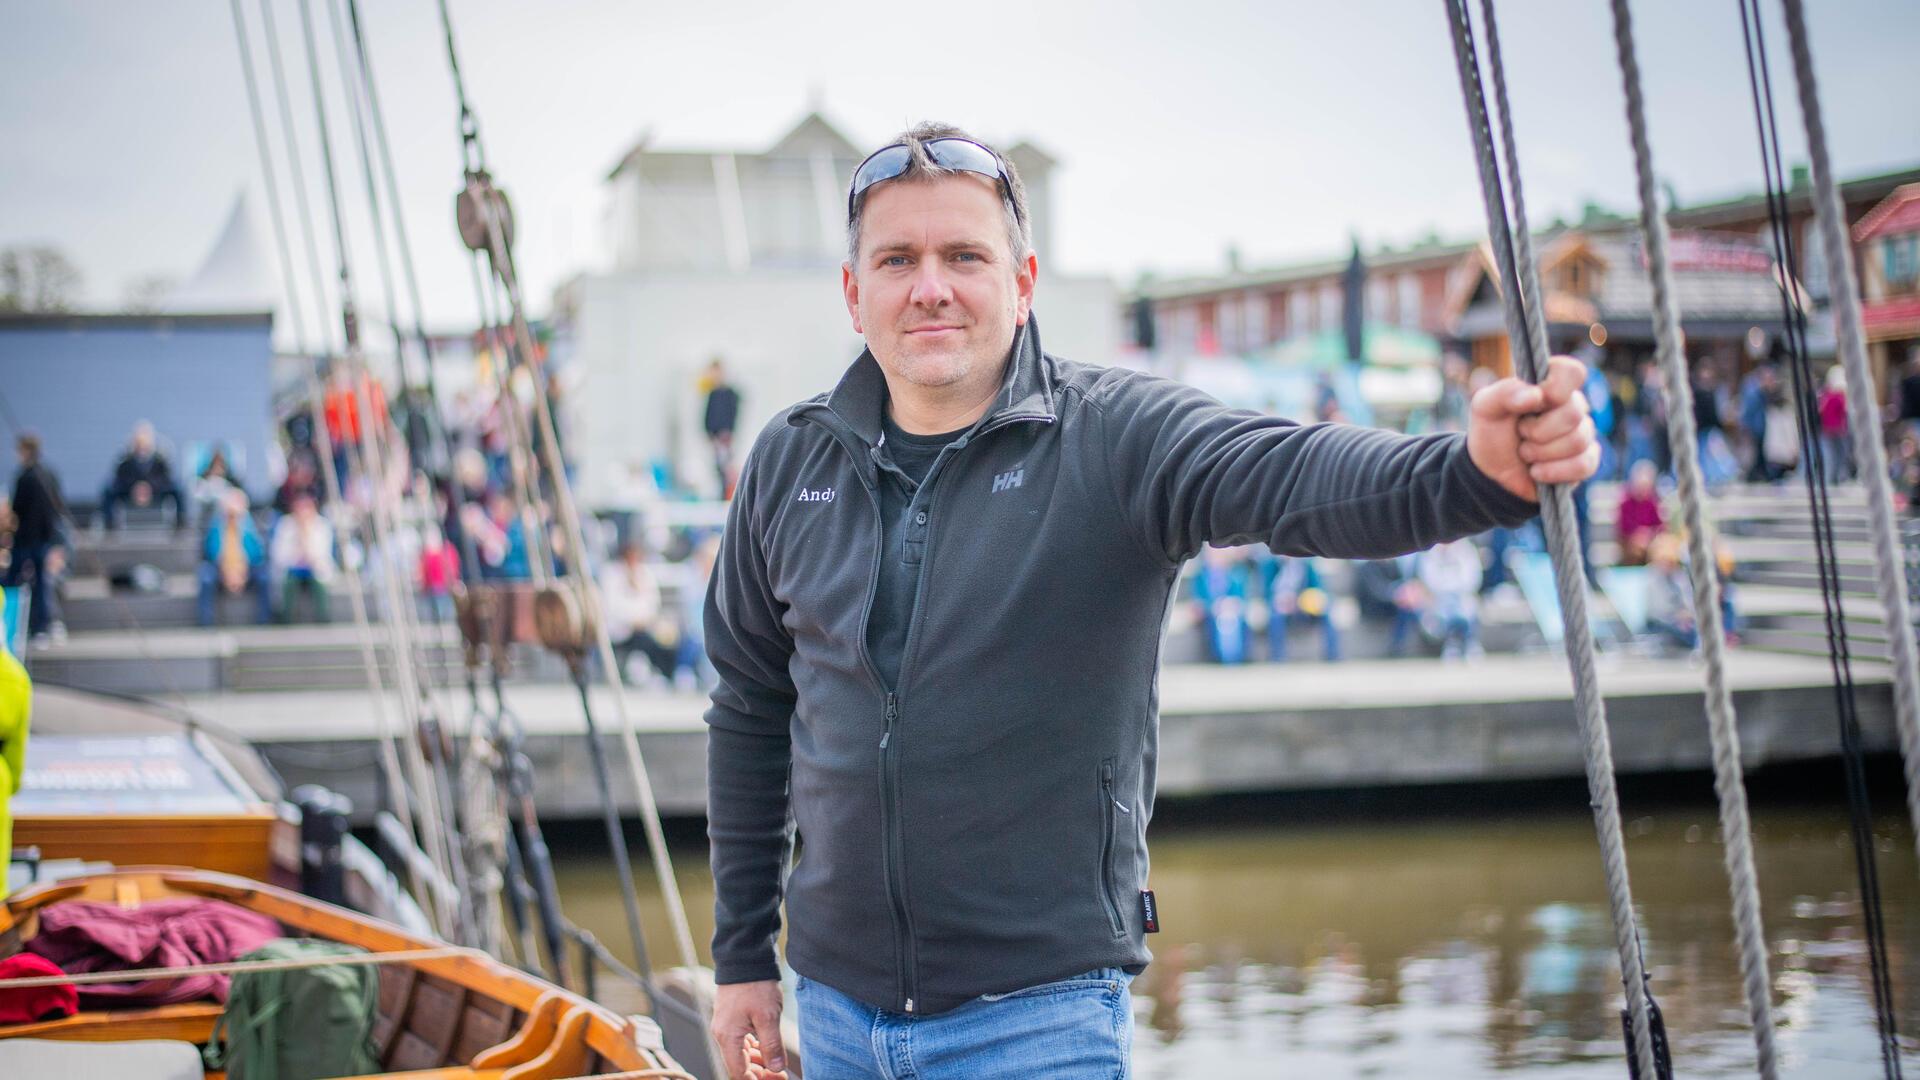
[146,641]
[1770,532]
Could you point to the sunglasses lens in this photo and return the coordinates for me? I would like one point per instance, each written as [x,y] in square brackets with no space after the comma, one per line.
[885,164]
[963,155]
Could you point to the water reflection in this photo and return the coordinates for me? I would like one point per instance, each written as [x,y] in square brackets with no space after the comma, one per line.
[1458,948]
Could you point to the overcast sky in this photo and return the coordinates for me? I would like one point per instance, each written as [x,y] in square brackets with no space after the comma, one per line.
[1181,128]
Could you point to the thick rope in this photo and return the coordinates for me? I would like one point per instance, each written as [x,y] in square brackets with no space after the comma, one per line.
[1863,416]
[1557,515]
[1736,835]
[500,254]
[239,967]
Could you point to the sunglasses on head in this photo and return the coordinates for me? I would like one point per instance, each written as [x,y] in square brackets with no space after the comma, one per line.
[963,155]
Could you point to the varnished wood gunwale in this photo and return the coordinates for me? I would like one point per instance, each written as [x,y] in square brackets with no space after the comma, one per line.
[547,1015]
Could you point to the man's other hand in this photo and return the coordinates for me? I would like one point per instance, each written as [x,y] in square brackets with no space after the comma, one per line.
[1523,435]
[743,1009]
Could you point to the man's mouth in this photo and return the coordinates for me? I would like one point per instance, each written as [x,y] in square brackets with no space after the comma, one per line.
[933,331]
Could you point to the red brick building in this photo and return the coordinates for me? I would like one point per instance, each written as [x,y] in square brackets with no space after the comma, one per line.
[1246,311]
[1432,286]
[1887,243]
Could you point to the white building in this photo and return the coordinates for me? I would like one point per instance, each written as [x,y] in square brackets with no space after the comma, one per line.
[736,254]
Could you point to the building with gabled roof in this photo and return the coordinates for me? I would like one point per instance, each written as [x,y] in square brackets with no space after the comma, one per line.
[735,254]
[1888,242]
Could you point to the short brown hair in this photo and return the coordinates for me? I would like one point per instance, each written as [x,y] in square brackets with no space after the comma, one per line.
[29,446]
[1013,197]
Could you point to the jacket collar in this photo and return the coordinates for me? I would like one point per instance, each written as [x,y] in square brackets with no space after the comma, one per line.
[1026,393]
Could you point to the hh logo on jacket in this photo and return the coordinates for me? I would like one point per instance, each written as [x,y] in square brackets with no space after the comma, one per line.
[1008,480]
[819,495]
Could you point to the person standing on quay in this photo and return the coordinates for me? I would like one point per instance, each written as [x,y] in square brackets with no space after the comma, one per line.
[719,418]
[37,509]
[936,619]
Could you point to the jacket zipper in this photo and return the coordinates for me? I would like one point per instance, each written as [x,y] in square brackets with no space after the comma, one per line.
[893,863]
[1108,840]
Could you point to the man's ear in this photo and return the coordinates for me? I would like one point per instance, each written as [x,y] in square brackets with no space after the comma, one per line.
[850,289]
[1023,282]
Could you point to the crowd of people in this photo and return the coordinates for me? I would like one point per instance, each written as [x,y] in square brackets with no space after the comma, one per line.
[282,559]
[287,557]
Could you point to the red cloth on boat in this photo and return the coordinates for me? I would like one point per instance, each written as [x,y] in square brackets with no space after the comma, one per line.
[87,935]
[25,1004]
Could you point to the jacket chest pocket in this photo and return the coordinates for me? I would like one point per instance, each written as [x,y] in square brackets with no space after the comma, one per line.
[1114,816]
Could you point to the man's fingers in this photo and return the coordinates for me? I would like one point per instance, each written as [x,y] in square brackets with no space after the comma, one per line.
[732,1039]
[1565,375]
[1553,425]
[1567,470]
[1571,444]
[767,1027]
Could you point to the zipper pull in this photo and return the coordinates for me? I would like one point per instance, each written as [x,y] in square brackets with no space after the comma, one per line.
[893,713]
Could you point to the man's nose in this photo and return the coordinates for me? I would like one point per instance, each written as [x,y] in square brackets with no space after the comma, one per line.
[930,287]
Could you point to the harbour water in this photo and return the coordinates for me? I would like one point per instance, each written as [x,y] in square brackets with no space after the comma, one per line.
[1436,935]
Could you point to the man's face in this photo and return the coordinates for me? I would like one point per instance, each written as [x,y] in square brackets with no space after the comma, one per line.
[936,291]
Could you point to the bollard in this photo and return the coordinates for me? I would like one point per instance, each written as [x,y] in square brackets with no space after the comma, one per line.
[323,827]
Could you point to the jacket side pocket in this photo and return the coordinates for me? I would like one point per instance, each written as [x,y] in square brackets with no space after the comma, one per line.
[1110,807]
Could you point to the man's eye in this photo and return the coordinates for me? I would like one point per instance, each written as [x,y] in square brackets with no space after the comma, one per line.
[968,256]
[895,260]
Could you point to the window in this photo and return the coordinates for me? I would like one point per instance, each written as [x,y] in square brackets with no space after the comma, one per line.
[1329,303]
[1901,256]
[1377,300]
[1409,305]
[1226,324]
[1298,312]
[1811,260]
[1253,320]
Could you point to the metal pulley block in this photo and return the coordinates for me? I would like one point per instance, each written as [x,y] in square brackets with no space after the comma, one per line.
[469,212]
[473,612]
[561,623]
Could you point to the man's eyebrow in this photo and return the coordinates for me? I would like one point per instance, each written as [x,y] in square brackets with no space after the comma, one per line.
[948,247]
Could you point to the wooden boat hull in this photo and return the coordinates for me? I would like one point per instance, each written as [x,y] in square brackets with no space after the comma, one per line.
[463,1015]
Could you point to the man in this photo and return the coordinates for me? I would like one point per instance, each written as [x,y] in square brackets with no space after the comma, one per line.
[37,510]
[142,477]
[721,415]
[936,620]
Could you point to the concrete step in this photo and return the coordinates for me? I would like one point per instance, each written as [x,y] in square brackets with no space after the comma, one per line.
[249,659]
[111,553]
[90,603]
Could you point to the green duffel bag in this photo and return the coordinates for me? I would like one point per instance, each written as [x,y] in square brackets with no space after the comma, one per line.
[299,1023]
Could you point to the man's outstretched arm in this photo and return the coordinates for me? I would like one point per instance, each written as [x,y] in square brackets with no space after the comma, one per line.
[1188,471]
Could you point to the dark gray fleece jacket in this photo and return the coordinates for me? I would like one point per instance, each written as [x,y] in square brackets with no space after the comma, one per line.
[981,826]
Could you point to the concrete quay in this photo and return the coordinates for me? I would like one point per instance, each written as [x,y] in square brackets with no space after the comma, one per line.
[1245,729]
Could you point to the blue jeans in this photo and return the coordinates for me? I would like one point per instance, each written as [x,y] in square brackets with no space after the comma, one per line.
[1075,1029]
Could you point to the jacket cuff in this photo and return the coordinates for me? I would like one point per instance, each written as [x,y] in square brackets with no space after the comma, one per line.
[727,972]
[1503,506]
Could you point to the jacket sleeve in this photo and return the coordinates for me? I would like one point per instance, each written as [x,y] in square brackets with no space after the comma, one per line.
[749,746]
[1188,471]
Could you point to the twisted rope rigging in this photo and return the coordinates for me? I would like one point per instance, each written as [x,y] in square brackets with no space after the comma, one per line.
[500,255]
[388,757]
[1556,505]
[429,823]
[1729,784]
[1863,415]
